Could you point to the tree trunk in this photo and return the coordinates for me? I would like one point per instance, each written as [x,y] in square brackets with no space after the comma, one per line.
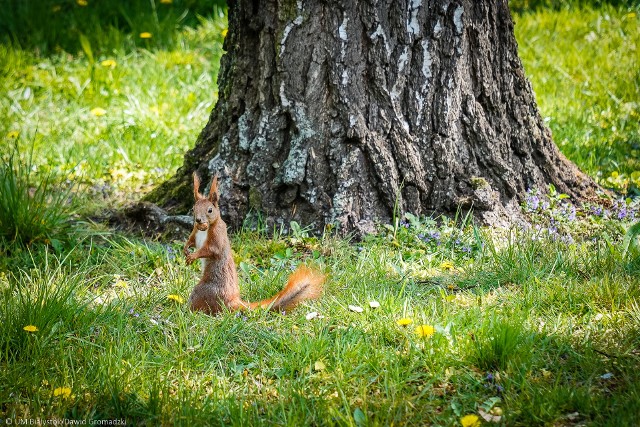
[354,111]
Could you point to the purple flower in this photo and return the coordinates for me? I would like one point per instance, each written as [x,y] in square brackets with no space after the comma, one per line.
[432,235]
[622,213]
[532,201]
[568,211]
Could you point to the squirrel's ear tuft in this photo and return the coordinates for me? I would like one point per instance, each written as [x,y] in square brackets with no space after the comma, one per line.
[196,186]
[213,191]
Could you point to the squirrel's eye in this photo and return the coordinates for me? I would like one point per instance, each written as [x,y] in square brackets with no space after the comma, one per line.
[210,210]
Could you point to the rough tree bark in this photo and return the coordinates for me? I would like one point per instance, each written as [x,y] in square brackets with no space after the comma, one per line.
[351,111]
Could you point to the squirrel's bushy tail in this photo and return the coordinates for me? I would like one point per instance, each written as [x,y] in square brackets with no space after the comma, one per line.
[303,284]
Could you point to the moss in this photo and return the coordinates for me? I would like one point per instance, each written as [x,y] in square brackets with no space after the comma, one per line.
[174,194]
[477,182]
[288,11]
[255,200]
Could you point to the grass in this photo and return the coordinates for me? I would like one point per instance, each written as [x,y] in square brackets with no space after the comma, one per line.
[98,26]
[33,210]
[584,68]
[115,125]
[540,325]
[555,339]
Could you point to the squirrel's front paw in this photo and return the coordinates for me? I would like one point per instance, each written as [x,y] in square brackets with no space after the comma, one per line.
[190,258]
[185,251]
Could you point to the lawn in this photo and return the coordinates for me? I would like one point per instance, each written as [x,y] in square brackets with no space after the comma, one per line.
[535,325]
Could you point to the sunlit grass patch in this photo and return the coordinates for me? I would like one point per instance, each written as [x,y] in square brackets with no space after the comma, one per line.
[119,124]
[583,65]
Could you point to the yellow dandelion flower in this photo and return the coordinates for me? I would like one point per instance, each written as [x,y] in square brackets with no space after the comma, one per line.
[82,3]
[447,265]
[176,298]
[224,32]
[13,134]
[31,328]
[121,284]
[471,420]
[425,330]
[166,1]
[404,321]
[98,112]
[146,35]
[108,63]
[64,392]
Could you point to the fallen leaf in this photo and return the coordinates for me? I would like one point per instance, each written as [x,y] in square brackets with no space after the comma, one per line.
[572,416]
[489,417]
[374,304]
[319,366]
[356,308]
[311,315]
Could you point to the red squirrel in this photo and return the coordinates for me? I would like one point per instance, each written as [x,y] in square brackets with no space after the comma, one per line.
[218,287]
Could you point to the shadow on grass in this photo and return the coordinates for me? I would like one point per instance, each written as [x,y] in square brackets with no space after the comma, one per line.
[96,26]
